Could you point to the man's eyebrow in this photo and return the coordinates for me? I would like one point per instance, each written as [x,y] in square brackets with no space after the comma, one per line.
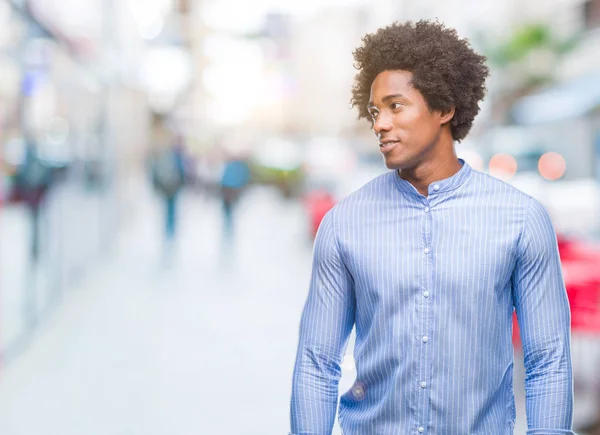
[385,99]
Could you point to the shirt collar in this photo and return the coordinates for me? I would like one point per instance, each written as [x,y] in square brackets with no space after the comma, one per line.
[437,187]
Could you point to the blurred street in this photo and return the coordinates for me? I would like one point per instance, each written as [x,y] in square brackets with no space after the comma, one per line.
[144,347]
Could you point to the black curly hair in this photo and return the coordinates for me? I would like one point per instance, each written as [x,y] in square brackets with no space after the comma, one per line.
[445,69]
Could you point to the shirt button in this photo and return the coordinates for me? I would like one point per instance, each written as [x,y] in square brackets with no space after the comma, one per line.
[436,187]
[425,339]
[425,294]
[423,384]
[426,209]
[358,391]
[426,250]
[421,429]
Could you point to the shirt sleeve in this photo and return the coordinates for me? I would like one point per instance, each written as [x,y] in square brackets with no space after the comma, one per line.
[325,326]
[544,319]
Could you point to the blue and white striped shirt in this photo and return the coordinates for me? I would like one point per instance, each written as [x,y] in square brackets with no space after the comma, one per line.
[430,283]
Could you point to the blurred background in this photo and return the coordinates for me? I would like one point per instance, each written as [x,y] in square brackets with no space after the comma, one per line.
[166,163]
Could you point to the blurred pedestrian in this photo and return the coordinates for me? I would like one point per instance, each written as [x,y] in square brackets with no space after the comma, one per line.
[318,202]
[235,178]
[168,178]
[32,180]
[428,262]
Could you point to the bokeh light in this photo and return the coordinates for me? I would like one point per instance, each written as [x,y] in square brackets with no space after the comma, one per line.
[503,166]
[473,159]
[552,166]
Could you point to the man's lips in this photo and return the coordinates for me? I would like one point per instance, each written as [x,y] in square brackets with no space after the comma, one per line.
[387,146]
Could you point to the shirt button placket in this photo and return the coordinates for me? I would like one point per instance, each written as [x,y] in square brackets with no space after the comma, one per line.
[425,339]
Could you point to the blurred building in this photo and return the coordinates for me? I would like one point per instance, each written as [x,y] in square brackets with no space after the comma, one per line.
[72,80]
[567,111]
[321,61]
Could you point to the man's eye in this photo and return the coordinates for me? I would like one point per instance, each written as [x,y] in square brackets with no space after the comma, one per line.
[396,106]
[374,114]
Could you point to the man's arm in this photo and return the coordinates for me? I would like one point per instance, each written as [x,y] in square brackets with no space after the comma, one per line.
[544,320]
[326,324]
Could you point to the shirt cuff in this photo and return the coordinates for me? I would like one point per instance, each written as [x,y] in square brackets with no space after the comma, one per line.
[550,432]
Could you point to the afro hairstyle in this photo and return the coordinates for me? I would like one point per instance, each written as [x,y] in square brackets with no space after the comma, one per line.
[444,67]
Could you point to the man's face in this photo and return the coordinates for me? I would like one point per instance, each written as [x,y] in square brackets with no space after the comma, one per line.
[405,127]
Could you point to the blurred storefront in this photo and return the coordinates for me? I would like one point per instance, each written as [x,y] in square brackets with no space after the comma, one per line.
[564,117]
[72,97]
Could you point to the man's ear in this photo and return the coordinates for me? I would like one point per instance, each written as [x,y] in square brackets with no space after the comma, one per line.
[447,116]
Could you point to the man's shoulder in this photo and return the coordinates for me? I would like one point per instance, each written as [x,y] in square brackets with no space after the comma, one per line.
[499,188]
[371,190]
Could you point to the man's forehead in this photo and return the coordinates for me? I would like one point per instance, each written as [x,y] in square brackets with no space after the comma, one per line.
[391,83]
[393,77]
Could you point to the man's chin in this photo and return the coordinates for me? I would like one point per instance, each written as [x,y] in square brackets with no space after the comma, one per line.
[395,164]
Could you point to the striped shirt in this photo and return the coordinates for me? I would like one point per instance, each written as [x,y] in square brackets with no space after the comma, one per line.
[430,284]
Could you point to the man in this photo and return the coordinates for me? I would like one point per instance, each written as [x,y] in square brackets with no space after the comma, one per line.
[235,178]
[33,180]
[168,178]
[427,262]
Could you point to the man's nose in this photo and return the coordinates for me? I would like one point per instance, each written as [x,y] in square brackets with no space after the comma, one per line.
[382,123]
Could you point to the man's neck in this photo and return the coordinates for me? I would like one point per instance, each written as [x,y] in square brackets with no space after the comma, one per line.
[428,172]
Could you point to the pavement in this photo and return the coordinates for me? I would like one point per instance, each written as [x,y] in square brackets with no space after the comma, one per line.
[147,345]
